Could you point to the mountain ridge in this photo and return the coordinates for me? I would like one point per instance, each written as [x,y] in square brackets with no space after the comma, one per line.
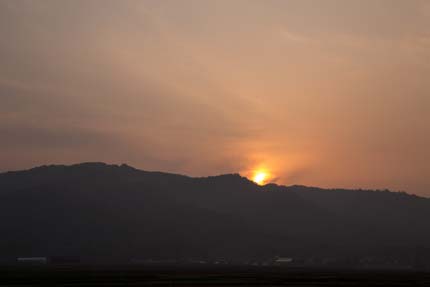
[116,212]
[232,175]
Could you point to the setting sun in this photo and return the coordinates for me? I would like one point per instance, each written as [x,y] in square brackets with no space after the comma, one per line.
[260,177]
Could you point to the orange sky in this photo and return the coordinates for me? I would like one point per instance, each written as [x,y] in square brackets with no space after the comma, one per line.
[323,93]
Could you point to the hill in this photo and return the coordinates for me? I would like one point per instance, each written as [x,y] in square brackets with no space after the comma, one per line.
[111,213]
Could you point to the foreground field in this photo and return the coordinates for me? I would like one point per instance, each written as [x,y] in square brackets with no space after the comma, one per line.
[225,276]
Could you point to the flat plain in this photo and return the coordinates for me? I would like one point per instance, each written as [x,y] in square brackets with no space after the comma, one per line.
[204,276]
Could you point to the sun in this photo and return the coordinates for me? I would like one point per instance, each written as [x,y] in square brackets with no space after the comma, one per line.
[260,177]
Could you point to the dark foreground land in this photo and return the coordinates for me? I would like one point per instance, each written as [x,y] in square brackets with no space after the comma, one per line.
[198,276]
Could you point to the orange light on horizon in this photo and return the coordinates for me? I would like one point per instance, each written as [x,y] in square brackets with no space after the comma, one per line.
[260,177]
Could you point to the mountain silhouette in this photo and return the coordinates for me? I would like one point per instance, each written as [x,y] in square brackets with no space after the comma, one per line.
[111,213]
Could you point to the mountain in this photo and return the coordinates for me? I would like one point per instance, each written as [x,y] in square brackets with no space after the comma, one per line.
[116,213]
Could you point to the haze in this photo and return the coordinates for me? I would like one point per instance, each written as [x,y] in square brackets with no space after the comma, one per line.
[322,93]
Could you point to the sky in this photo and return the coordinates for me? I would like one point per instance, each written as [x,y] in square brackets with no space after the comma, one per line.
[324,93]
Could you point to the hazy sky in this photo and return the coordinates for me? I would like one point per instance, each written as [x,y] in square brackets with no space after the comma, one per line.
[323,93]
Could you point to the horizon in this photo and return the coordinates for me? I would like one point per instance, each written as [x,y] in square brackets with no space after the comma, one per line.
[119,165]
[329,93]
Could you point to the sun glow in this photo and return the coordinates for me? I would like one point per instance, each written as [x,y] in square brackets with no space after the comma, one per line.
[260,177]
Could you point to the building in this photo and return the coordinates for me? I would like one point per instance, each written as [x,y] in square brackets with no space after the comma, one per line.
[32,260]
[283,261]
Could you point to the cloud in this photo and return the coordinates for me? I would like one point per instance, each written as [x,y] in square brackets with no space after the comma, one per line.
[43,138]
